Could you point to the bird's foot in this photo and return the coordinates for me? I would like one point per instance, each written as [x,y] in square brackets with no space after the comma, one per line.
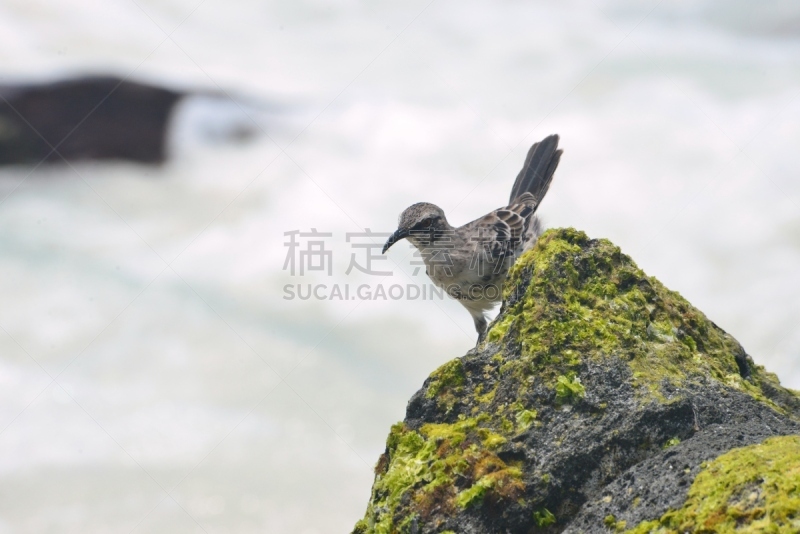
[481,338]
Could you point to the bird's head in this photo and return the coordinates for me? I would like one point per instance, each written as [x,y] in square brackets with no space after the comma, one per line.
[416,219]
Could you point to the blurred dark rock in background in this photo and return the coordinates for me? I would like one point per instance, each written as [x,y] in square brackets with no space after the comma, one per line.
[91,118]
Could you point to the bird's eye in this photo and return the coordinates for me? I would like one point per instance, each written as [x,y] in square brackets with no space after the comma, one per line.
[427,221]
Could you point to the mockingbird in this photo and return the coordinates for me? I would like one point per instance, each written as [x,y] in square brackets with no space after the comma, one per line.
[471,262]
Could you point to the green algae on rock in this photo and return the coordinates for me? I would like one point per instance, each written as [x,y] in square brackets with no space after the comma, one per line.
[747,490]
[423,468]
[598,393]
[571,299]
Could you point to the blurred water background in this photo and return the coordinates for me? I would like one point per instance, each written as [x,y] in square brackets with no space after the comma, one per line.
[153,378]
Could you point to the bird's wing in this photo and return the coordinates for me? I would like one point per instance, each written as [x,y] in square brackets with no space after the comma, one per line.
[525,206]
[508,224]
[501,231]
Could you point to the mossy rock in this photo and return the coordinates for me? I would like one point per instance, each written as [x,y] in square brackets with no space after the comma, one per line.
[598,399]
[749,489]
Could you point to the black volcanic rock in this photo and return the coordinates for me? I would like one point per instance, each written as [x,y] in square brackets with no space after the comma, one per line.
[601,401]
[98,118]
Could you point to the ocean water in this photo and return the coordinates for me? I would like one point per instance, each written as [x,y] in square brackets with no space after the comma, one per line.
[153,377]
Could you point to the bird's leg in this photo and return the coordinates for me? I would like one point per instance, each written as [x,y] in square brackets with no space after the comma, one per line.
[480,325]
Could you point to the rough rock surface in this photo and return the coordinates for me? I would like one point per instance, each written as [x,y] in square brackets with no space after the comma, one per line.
[600,401]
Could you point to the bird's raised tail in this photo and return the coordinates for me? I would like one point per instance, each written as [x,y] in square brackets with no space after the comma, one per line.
[537,173]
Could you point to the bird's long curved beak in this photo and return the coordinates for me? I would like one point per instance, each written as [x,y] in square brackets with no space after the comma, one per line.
[401,233]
